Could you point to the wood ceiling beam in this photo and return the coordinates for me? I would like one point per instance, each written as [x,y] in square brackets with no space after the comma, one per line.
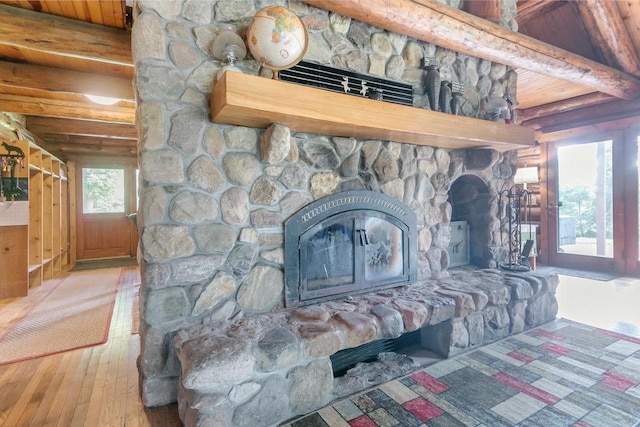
[578,134]
[87,140]
[601,113]
[58,81]
[107,150]
[64,38]
[48,125]
[433,22]
[530,114]
[57,108]
[606,28]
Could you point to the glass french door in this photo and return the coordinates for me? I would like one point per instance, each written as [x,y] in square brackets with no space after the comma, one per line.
[592,203]
[581,207]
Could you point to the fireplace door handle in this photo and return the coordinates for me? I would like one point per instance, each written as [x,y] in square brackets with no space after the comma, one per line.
[364,239]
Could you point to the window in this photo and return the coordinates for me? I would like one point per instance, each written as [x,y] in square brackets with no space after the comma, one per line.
[103,190]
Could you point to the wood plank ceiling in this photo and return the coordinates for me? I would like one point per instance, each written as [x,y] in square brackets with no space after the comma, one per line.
[577,62]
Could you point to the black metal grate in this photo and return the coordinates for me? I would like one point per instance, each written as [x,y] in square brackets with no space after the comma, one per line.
[346,359]
[347,82]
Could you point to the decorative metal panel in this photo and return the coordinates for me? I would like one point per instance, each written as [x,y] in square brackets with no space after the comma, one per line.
[347,82]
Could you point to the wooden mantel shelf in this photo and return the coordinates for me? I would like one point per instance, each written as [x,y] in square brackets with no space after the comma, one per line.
[252,101]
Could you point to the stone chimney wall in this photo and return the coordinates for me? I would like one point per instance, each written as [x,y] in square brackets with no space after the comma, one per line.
[212,203]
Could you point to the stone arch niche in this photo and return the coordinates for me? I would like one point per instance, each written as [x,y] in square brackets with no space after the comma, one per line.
[472,201]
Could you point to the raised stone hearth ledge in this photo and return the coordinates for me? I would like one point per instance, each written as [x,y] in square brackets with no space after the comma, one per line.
[267,368]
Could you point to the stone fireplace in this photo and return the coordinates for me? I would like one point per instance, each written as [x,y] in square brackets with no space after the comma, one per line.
[219,333]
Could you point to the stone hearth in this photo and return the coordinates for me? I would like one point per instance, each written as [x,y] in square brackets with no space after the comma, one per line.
[264,369]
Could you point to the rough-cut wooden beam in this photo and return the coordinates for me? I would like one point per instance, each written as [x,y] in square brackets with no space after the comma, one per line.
[108,150]
[58,81]
[610,111]
[43,125]
[607,29]
[527,117]
[62,37]
[529,9]
[57,108]
[577,134]
[453,29]
[87,140]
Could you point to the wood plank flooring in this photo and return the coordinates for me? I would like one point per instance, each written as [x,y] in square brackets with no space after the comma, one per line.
[95,386]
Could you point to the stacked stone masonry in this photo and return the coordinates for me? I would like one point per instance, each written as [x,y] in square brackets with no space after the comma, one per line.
[267,368]
[213,198]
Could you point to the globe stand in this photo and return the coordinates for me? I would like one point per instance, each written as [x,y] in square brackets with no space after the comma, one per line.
[277,38]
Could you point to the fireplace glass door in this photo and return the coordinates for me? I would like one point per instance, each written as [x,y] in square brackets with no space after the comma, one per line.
[352,251]
[327,251]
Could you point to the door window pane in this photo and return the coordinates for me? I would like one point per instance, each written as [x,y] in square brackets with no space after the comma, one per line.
[103,190]
[585,199]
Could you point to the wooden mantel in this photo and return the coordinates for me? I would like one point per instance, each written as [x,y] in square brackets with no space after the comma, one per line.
[252,101]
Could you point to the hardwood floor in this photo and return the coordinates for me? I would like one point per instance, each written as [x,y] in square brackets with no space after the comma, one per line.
[95,386]
[611,305]
[98,386]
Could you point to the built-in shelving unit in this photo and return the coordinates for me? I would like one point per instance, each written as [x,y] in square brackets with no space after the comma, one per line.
[42,237]
[248,100]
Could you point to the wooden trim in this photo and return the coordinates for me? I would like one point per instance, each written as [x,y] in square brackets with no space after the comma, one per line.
[544,171]
[630,174]
[248,100]
[433,22]
[621,234]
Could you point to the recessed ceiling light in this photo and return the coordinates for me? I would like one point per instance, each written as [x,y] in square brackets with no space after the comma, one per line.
[104,100]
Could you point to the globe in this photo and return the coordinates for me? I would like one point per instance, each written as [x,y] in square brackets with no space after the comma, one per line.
[277,38]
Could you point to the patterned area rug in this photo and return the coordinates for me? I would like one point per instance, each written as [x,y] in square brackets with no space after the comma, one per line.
[561,374]
[76,314]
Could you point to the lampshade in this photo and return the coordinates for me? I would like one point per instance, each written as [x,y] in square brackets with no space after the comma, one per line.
[526,175]
[228,43]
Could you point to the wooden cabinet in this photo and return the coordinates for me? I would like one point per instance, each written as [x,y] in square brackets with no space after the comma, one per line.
[34,228]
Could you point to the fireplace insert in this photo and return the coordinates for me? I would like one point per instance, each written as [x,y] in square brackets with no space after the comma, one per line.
[348,243]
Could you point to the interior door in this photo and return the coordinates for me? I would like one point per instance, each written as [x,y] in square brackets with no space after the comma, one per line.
[106,196]
[581,205]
